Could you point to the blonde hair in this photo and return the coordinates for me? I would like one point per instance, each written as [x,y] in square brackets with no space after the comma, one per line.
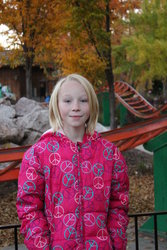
[54,114]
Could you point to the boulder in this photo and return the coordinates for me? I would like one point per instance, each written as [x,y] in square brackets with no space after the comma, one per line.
[7,111]
[24,122]
[8,128]
[31,137]
[25,106]
[9,132]
[34,124]
[37,120]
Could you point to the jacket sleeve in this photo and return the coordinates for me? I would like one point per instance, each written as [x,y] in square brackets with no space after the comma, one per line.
[119,203]
[30,202]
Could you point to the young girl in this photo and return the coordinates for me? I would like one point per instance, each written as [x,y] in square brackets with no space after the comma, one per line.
[73,184]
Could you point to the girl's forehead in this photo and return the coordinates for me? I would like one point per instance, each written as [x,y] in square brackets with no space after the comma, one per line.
[71,82]
[71,86]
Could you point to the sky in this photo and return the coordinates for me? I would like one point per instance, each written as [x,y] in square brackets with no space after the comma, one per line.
[3,38]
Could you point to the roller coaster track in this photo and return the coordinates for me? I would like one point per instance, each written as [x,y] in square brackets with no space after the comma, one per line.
[135,102]
[125,138]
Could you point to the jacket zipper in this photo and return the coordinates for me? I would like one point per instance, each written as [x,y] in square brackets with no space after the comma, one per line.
[80,199]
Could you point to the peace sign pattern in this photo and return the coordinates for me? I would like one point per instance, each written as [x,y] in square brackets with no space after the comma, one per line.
[101,221]
[29,153]
[57,198]
[54,158]
[77,191]
[98,169]
[29,187]
[89,220]
[118,166]
[31,173]
[40,147]
[86,167]
[69,220]
[108,154]
[91,244]
[98,182]
[66,166]
[58,212]
[70,233]
[53,146]
[40,242]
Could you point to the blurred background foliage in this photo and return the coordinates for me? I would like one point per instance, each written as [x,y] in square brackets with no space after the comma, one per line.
[103,40]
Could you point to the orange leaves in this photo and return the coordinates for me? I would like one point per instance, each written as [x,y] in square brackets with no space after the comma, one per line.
[67,33]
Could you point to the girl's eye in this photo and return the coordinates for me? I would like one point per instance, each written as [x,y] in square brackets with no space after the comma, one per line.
[84,100]
[67,101]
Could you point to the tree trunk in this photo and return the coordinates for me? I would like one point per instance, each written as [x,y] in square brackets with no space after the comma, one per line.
[110,80]
[109,70]
[28,68]
[165,91]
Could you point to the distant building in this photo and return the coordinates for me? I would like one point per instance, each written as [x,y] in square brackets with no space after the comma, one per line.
[15,79]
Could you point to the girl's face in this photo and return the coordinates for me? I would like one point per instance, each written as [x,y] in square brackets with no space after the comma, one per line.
[73,105]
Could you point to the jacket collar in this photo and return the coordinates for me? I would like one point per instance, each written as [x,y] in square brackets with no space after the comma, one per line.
[88,138]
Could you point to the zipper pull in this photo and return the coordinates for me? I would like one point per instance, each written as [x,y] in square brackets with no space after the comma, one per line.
[79,148]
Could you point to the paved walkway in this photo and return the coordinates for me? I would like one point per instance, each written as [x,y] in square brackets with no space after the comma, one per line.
[145,243]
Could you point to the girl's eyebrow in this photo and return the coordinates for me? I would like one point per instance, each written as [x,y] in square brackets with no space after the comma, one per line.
[68,95]
[84,96]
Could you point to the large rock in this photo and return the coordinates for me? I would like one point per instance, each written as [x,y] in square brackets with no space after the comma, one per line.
[25,106]
[34,124]
[24,122]
[9,132]
[32,118]
[7,111]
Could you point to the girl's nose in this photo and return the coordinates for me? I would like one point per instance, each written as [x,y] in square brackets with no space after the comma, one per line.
[75,106]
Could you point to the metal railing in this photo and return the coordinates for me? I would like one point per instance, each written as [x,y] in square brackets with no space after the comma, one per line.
[15,227]
[135,216]
[154,214]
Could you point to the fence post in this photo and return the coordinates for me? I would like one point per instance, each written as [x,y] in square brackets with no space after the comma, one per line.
[158,146]
[104,108]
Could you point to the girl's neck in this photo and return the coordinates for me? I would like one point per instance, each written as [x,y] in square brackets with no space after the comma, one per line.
[75,135]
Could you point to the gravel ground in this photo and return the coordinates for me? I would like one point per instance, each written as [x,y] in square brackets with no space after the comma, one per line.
[141,194]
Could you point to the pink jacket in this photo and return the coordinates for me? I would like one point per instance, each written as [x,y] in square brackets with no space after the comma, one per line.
[73,196]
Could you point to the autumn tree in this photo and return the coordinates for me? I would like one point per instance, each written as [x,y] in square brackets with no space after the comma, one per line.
[34,25]
[77,56]
[97,24]
[144,53]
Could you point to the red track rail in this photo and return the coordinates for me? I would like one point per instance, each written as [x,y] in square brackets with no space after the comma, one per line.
[135,102]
